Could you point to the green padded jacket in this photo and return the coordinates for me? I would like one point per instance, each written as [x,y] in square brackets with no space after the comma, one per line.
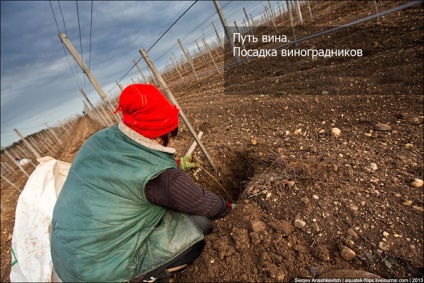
[103,227]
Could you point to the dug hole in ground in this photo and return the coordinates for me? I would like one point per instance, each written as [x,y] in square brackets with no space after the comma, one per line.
[309,201]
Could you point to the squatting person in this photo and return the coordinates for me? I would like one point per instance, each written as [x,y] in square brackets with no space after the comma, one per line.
[126,211]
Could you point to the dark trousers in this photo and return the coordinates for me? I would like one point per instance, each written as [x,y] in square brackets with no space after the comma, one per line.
[186,257]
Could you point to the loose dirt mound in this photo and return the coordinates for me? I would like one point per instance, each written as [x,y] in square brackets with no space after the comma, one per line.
[308,201]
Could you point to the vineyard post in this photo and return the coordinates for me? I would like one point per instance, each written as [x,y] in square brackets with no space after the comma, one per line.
[249,22]
[183,62]
[14,161]
[21,151]
[207,48]
[176,62]
[139,69]
[87,72]
[47,140]
[68,126]
[35,144]
[174,101]
[64,129]
[310,11]
[176,67]
[41,144]
[289,10]
[188,57]
[90,113]
[253,22]
[100,114]
[271,10]
[120,86]
[7,166]
[42,140]
[217,35]
[31,148]
[153,77]
[53,133]
[281,11]
[226,28]
[237,29]
[200,51]
[298,12]
[11,183]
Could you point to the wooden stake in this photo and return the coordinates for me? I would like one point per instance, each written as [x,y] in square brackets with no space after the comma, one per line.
[207,48]
[226,28]
[144,77]
[14,161]
[105,120]
[87,72]
[11,183]
[188,58]
[217,35]
[53,133]
[36,153]
[298,13]
[171,96]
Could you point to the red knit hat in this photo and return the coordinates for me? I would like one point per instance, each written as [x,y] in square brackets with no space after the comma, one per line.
[147,111]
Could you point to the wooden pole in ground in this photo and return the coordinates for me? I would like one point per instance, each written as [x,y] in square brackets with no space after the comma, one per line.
[271,10]
[217,35]
[200,51]
[188,57]
[120,86]
[176,61]
[174,101]
[105,119]
[19,150]
[87,72]
[46,140]
[64,129]
[210,54]
[235,25]
[176,67]
[5,168]
[289,10]
[28,145]
[153,77]
[42,142]
[226,28]
[280,11]
[249,22]
[10,168]
[298,12]
[17,163]
[139,69]
[52,131]
[35,144]
[11,183]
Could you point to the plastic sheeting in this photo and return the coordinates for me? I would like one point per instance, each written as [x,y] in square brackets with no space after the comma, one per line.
[31,258]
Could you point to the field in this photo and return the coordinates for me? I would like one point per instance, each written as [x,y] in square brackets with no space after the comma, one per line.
[309,199]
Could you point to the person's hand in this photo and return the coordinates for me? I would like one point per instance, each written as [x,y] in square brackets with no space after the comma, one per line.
[187,163]
[233,205]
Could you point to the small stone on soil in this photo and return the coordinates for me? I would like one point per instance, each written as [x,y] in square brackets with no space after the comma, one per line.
[382,127]
[417,183]
[257,226]
[335,132]
[299,223]
[347,253]
[418,209]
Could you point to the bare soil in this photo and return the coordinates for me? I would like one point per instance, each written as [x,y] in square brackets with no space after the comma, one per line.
[307,202]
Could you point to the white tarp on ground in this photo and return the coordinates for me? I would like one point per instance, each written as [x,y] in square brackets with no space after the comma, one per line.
[31,258]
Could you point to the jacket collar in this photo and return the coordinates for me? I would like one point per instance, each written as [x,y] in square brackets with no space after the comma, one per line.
[143,140]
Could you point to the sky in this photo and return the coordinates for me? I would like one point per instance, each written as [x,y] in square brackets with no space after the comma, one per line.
[40,80]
